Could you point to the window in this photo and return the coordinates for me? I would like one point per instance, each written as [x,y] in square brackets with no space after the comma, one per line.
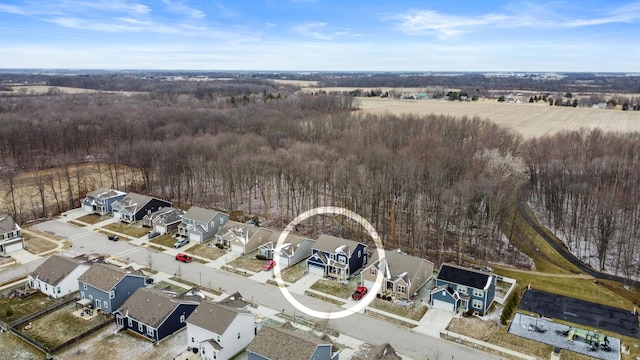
[130,322]
[81,294]
[462,289]
[193,340]
[477,304]
[140,326]
[106,304]
[58,289]
[238,335]
[401,289]
[45,287]
[112,294]
[478,293]
[359,253]
[84,286]
[182,318]
[373,271]
[149,331]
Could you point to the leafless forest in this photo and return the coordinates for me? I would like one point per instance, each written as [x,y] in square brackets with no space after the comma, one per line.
[434,186]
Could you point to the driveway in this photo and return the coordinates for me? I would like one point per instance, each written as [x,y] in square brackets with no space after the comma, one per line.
[434,322]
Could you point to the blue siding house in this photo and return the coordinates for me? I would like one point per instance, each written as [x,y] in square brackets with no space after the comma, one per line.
[337,258]
[100,200]
[133,207]
[460,288]
[108,287]
[156,314]
[283,344]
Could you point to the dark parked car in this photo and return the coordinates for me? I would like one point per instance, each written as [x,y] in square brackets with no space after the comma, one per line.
[153,234]
[113,238]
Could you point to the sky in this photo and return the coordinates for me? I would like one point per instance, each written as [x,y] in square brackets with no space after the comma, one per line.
[322,35]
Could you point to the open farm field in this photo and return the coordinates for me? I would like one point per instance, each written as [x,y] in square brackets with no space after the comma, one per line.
[43,89]
[531,120]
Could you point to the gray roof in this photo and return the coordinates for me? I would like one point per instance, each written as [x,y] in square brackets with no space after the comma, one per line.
[104,276]
[153,306]
[380,352]
[283,344]
[104,193]
[55,269]
[7,224]
[214,317]
[402,264]
[167,215]
[234,300]
[328,243]
[200,214]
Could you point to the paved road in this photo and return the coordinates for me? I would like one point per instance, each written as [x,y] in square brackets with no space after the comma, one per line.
[362,327]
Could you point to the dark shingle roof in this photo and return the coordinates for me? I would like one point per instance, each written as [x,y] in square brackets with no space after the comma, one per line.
[235,301]
[380,352]
[55,269]
[153,306]
[329,244]
[282,344]
[7,224]
[213,317]
[103,276]
[464,276]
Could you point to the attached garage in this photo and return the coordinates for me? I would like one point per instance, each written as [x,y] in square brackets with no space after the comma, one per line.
[442,305]
[315,269]
[445,298]
[12,246]
[237,248]
[195,237]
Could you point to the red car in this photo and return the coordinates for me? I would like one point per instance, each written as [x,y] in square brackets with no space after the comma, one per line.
[359,293]
[269,265]
[184,258]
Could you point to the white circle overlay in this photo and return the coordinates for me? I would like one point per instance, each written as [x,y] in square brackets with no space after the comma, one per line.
[366,300]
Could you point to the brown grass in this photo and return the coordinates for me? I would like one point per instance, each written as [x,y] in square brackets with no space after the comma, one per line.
[164,240]
[24,307]
[37,245]
[248,262]
[206,251]
[294,273]
[93,218]
[15,348]
[414,312]
[335,288]
[134,230]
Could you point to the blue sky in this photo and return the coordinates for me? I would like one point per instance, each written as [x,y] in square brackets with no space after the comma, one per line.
[317,35]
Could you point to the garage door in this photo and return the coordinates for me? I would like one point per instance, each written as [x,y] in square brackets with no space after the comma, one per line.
[442,305]
[194,237]
[314,269]
[13,247]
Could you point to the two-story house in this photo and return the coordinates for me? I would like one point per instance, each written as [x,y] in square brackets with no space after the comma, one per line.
[293,250]
[156,314]
[10,237]
[164,221]
[100,200]
[108,286]
[58,275]
[199,224]
[219,332]
[133,207]
[336,257]
[460,288]
[403,274]
[279,343]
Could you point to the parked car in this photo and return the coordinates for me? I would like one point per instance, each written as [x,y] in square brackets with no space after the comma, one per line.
[359,293]
[113,238]
[180,243]
[153,234]
[269,265]
[148,280]
[184,258]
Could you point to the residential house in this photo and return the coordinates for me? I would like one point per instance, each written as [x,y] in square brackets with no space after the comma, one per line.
[108,287]
[235,301]
[237,233]
[164,221]
[156,314]
[219,332]
[336,257]
[58,275]
[293,250]
[133,207]
[280,343]
[380,352]
[100,200]
[245,244]
[460,288]
[10,237]
[199,224]
[403,275]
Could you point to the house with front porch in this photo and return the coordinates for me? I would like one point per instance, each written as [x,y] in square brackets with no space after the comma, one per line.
[200,224]
[100,200]
[403,274]
[58,275]
[133,207]
[336,257]
[10,237]
[164,221]
[219,332]
[156,314]
[108,286]
[459,288]
[293,250]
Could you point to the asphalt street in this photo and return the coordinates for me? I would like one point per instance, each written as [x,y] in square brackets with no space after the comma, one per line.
[368,329]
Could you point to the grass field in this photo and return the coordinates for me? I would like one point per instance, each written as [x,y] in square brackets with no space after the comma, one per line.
[19,308]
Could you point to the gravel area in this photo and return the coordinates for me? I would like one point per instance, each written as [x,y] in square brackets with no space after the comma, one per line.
[521,326]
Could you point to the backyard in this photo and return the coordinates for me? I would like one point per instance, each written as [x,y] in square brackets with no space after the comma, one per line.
[14,309]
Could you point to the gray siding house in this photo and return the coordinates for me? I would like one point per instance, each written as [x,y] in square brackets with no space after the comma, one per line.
[10,236]
[133,207]
[165,220]
[294,249]
[108,287]
[199,224]
[100,200]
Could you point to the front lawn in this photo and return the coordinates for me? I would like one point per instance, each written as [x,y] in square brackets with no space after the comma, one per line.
[164,240]
[336,288]
[248,262]
[206,251]
[414,311]
[14,309]
[37,245]
[294,273]
[93,218]
[135,231]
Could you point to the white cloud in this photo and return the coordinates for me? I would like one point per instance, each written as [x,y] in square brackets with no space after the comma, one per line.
[310,30]
[182,8]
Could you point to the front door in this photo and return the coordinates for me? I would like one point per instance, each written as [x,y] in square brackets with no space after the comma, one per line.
[97,303]
[119,321]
